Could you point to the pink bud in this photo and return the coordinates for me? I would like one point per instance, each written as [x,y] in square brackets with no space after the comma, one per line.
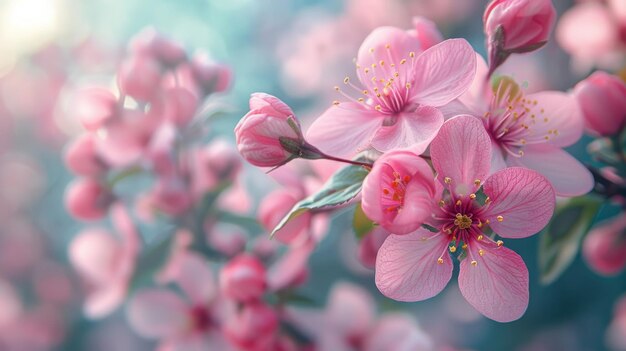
[139,77]
[150,42]
[604,247]
[81,157]
[223,161]
[243,278]
[426,31]
[179,105]
[258,132]
[602,99]
[516,26]
[253,328]
[94,107]
[86,199]
[212,76]
[274,207]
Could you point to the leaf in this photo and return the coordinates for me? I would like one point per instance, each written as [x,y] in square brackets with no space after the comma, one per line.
[151,262]
[360,223]
[560,240]
[342,187]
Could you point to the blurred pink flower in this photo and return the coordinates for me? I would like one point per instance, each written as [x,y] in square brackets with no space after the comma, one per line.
[604,247]
[402,88]
[593,33]
[602,99]
[105,263]
[87,199]
[493,279]
[260,132]
[254,327]
[398,191]
[243,278]
[528,130]
[191,322]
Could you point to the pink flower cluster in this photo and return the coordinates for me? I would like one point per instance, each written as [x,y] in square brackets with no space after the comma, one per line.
[460,154]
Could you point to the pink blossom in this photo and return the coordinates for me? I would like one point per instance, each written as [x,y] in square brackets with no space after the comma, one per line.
[516,26]
[402,86]
[95,107]
[151,43]
[191,322]
[81,157]
[426,32]
[87,199]
[604,247]
[243,278]
[602,98]
[213,77]
[396,193]
[139,77]
[592,33]
[492,278]
[260,131]
[106,263]
[254,327]
[528,130]
[275,206]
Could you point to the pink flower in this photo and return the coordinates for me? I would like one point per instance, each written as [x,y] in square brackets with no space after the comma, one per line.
[243,278]
[95,107]
[426,32]
[253,328]
[528,130]
[106,263]
[604,247]
[139,77]
[591,32]
[516,26]
[261,132]
[81,157]
[87,199]
[191,322]
[492,278]
[275,206]
[602,98]
[402,88]
[398,191]
[149,42]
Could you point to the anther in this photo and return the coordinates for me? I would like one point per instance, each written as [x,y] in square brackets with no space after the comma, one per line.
[447,180]
[481,252]
[453,249]
[442,203]
[477,182]
[480,237]
[500,218]
[500,243]
[346,80]
[440,260]
[464,247]
[335,102]
[411,54]
[403,61]
[472,196]
[474,263]
[458,202]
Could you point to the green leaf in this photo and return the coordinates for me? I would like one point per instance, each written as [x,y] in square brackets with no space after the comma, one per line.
[560,240]
[342,187]
[360,223]
[151,261]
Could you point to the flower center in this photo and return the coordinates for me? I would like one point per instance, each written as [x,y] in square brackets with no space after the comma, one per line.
[462,221]
[393,196]
[200,318]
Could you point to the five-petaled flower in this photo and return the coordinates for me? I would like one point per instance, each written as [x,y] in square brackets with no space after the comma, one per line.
[492,278]
[402,88]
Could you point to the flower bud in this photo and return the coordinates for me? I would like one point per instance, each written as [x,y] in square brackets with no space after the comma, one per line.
[604,247]
[253,328]
[426,31]
[150,42]
[86,199]
[94,107]
[139,77]
[213,77]
[516,26]
[81,157]
[269,135]
[602,99]
[243,278]
[274,207]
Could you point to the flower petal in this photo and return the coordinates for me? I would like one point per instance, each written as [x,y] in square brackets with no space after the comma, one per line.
[557,118]
[412,130]
[444,72]
[497,284]
[156,313]
[462,152]
[195,278]
[344,129]
[407,267]
[522,202]
[479,94]
[350,309]
[568,176]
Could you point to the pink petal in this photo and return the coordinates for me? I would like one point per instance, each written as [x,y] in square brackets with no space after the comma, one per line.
[497,286]
[286,271]
[462,152]
[195,278]
[397,332]
[94,254]
[524,198]
[407,268]
[105,299]
[478,96]
[414,130]
[444,72]
[568,176]
[350,310]
[157,314]
[555,111]
[374,49]
[344,129]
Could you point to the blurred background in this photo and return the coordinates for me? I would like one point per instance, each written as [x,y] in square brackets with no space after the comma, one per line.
[294,49]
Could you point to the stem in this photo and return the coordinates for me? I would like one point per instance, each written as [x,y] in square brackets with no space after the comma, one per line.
[338,159]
